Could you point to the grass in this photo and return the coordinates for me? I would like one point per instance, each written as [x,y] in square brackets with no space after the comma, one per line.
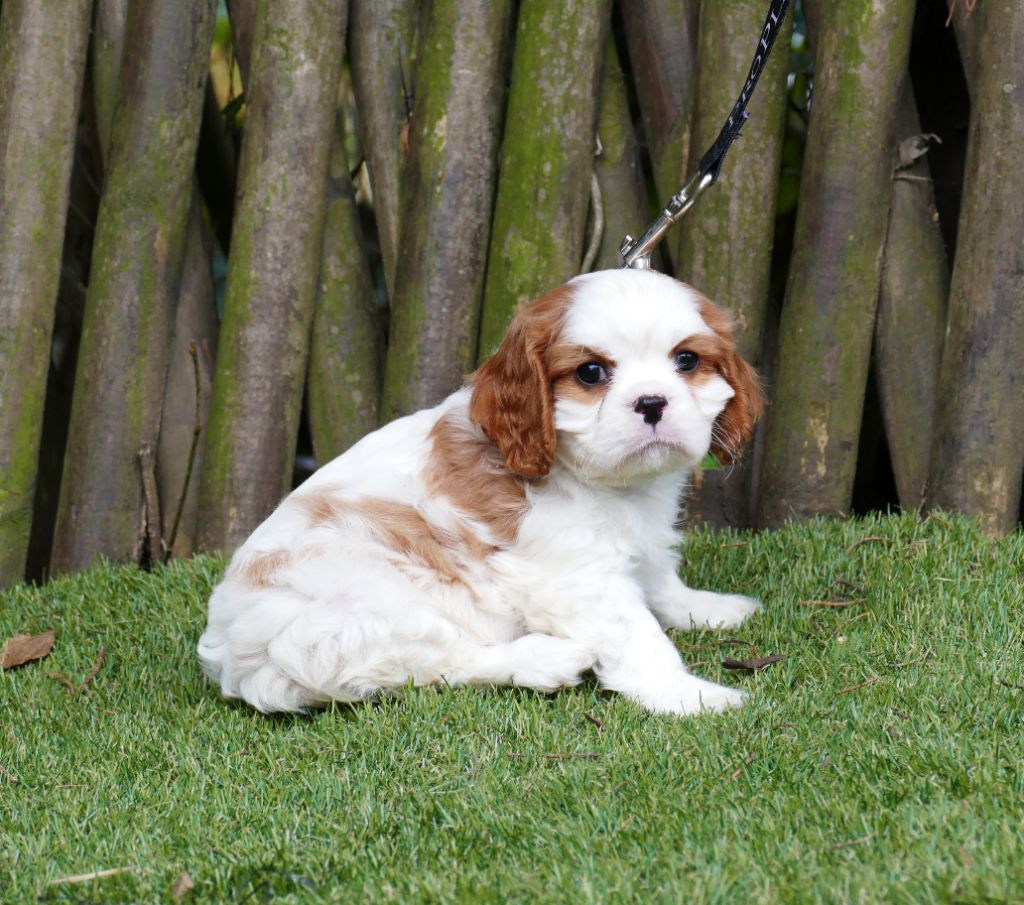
[880,761]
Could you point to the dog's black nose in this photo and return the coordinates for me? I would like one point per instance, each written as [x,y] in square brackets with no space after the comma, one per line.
[651,408]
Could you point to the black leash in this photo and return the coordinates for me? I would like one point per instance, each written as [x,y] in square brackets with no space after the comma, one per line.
[637,252]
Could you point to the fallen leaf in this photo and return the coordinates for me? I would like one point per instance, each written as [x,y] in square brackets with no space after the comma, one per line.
[747,761]
[759,663]
[21,649]
[182,886]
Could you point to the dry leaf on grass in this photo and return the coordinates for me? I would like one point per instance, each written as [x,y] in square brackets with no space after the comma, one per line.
[759,663]
[21,649]
[182,886]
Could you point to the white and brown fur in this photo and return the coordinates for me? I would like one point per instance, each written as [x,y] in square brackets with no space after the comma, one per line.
[521,532]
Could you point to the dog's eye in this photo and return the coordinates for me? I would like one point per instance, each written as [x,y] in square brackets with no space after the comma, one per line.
[591,373]
[687,361]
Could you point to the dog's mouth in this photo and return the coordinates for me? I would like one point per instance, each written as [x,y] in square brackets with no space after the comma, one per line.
[656,449]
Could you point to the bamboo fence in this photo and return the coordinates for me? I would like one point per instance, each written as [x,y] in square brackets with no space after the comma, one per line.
[236,238]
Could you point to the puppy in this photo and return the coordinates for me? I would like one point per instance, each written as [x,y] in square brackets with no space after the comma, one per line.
[521,532]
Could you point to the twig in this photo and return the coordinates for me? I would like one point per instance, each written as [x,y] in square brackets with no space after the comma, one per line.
[755,665]
[736,642]
[96,667]
[874,539]
[95,875]
[10,776]
[852,585]
[832,603]
[1006,684]
[952,9]
[65,681]
[593,719]
[850,688]
[196,431]
[598,209]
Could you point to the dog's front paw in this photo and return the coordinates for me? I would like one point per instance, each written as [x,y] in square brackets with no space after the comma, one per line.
[692,697]
[731,611]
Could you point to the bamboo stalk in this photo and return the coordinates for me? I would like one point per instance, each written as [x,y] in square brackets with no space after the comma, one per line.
[447,192]
[661,37]
[726,243]
[547,156]
[977,454]
[272,272]
[617,165]
[242,15]
[195,325]
[381,42]
[109,20]
[911,319]
[42,62]
[828,316]
[195,319]
[137,257]
[346,362]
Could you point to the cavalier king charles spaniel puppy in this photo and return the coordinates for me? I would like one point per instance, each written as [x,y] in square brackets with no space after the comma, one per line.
[522,532]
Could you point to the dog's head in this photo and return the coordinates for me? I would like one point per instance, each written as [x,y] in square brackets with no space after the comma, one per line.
[618,375]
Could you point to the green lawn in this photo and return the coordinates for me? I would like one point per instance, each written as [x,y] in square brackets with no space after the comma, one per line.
[880,761]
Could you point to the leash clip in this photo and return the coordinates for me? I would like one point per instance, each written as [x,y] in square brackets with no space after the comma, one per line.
[636,253]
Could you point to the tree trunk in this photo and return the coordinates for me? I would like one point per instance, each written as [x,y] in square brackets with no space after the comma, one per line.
[978,457]
[42,61]
[911,314]
[623,196]
[272,273]
[547,157]
[661,36]
[447,189]
[381,41]
[347,356]
[137,256]
[829,312]
[726,245]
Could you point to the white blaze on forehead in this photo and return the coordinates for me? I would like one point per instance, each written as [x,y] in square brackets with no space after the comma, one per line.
[629,312]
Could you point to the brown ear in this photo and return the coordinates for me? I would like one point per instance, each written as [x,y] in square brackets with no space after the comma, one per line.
[735,425]
[512,397]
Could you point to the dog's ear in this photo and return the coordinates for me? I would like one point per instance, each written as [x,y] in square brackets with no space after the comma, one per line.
[512,396]
[735,425]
